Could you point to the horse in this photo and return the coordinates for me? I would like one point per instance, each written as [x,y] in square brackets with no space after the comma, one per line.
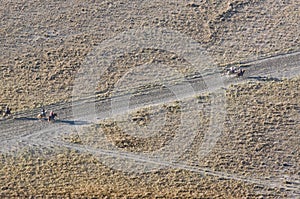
[231,70]
[42,115]
[52,117]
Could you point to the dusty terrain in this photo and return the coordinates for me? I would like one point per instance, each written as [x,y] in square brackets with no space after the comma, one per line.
[257,157]
[43,45]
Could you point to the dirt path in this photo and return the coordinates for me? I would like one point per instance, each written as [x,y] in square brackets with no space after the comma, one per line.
[282,66]
[25,130]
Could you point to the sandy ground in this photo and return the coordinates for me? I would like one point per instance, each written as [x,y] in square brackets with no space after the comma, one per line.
[44,44]
[257,157]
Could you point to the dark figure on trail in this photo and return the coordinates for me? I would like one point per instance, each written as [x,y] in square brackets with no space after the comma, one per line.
[43,112]
[7,111]
[51,117]
[240,73]
[231,70]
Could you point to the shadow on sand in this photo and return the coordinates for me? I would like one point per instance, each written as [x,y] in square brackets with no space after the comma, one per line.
[26,118]
[265,79]
[70,122]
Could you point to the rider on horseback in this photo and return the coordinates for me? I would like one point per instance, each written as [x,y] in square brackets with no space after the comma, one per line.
[43,112]
[232,69]
[51,116]
[7,110]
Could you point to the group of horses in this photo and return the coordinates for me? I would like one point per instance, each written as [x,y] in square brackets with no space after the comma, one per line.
[51,117]
[238,72]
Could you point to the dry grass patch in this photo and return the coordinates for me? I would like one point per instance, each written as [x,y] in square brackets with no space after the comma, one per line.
[259,141]
[70,174]
[261,137]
